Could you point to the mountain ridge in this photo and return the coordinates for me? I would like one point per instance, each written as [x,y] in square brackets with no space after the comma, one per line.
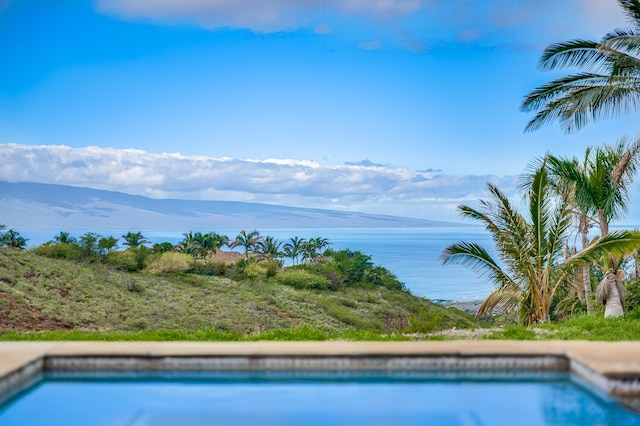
[30,205]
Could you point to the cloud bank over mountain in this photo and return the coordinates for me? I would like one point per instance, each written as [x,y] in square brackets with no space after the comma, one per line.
[358,186]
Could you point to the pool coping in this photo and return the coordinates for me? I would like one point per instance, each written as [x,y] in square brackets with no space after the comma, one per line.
[613,367]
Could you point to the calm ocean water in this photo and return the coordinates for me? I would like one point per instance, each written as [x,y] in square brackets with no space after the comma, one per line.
[413,254]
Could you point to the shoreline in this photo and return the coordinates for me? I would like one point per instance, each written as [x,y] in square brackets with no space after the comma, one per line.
[470,307]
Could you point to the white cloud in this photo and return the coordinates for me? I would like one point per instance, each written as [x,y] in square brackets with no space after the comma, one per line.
[258,15]
[362,186]
[522,23]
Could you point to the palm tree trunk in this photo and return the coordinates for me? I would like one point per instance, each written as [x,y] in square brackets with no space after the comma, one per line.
[586,278]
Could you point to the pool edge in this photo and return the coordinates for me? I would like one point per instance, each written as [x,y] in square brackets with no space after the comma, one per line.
[611,367]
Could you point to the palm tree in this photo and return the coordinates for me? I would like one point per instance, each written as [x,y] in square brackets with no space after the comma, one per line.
[189,243]
[269,248]
[608,84]
[134,239]
[598,188]
[107,245]
[213,241]
[13,239]
[314,248]
[248,240]
[210,242]
[64,238]
[531,249]
[293,248]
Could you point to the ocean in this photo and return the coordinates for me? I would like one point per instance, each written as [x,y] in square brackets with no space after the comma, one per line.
[412,254]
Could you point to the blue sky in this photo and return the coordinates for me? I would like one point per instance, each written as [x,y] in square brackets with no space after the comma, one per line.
[403,107]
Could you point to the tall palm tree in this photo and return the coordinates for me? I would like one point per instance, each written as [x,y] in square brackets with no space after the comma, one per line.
[215,241]
[601,183]
[209,242]
[189,244]
[269,248]
[598,188]
[134,239]
[314,248]
[530,248]
[294,248]
[608,82]
[248,240]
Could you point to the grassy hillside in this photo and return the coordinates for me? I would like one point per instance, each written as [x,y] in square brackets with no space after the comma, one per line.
[39,293]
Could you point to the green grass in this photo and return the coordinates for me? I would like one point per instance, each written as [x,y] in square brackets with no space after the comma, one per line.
[66,300]
[50,299]
[583,327]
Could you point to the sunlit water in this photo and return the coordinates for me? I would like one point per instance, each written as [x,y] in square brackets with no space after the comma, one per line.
[412,254]
[342,398]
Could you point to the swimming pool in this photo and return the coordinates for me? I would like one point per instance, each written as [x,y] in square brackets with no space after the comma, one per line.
[312,398]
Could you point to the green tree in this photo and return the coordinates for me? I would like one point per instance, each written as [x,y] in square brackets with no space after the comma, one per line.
[189,244]
[598,188]
[13,239]
[269,248]
[314,248]
[212,242]
[533,266]
[134,239]
[248,240]
[88,243]
[64,238]
[607,84]
[293,249]
[107,245]
[162,247]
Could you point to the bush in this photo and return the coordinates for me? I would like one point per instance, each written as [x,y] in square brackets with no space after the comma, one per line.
[67,251]
[209,269]
[170,262]
[253,271]
[632,302]
[125,260]
[301,279]
[272,268]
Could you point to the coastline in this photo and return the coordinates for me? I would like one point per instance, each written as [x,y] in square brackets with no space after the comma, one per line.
[470,307]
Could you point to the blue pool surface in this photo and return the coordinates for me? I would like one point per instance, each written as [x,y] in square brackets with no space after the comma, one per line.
[279,398]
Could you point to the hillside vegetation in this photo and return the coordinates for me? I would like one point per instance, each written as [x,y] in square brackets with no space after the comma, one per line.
[39,293]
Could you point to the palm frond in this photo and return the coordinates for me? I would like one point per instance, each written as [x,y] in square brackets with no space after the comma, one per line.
[617,243]
[574,53]
[507,299]
[631,10]
[478,259]
[575,105]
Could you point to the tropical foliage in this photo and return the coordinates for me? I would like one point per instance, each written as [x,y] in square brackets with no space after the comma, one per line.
[607,82]
[247,240]
[598,189]
[12,239]
[532,266]
[134,239]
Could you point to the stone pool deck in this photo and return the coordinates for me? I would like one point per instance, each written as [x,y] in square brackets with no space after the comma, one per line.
[611,366]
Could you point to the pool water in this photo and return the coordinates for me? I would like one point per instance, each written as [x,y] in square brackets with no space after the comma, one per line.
[331,398]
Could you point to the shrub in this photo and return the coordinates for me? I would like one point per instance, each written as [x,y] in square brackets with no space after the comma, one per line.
[301,279]
[253,271]
[67,251]
[272,267]
[125,260]
[632,302]
[170,262]
[209,269]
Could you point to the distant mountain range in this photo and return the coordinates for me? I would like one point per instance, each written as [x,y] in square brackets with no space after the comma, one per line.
[33,206]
